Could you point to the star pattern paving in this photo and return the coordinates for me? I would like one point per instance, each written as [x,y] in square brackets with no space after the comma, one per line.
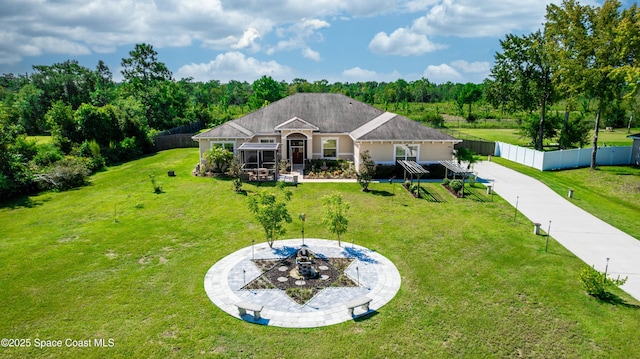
[283,274]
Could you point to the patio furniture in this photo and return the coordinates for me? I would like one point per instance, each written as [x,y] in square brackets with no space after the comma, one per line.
[359,302]
[244,306]
[263,174]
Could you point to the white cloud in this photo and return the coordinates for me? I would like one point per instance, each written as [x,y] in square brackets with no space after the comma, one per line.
[355,74]
[298,36]
[358,74]
[233,66]
[472,18]
[458,71]
[441,74]
[248,40]
[311,54]
[402,42]
[479,67]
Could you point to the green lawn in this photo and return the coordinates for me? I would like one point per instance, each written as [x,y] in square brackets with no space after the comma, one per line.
[114,260]
[611,193]
[617,137]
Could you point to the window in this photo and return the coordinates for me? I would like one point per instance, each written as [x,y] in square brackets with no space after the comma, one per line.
[330,148]
[229,146]
[268,140]
[407,152]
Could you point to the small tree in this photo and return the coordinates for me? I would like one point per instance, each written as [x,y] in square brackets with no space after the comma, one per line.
[270,212]
[235,171]
[464,154]
[366,171]
[336,214]
[219,157]
[597,284]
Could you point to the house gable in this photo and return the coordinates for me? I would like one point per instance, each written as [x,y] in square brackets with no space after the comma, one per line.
[227,130]
[296,124]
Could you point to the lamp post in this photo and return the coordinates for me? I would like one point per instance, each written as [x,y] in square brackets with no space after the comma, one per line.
[393,188]
[515,214]
[358,275]
[606,268]
[302,218]
[546,246]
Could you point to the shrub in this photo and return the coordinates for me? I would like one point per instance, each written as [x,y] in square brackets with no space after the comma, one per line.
[456,185]
[47,155]
[65,174]
[597,284]
[157,188]
[434,119]
[367,170]
[385,171]
[446,181]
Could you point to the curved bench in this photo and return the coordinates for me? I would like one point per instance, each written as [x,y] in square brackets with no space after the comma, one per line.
[244,306]
[358,302]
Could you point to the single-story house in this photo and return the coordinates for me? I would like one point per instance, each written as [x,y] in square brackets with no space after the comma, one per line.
[635,149]
[307,126]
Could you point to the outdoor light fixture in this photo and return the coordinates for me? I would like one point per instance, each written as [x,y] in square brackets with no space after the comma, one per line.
[302,218]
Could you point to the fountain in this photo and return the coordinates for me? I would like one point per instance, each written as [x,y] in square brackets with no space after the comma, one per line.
[304,263]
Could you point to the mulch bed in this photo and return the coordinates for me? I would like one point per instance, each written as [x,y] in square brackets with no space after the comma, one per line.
[282,273]
[451,190]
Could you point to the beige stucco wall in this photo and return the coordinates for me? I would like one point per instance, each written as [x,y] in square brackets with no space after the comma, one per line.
[205,145]
[384,152]
[345,146]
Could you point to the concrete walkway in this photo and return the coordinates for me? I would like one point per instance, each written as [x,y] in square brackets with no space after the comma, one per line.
[377,278]
[588,237]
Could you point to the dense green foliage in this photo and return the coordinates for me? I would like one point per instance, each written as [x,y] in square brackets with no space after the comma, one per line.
[583,65]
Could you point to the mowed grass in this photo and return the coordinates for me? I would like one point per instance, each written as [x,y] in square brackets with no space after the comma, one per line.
[114,260]
[611,193]
[616,137]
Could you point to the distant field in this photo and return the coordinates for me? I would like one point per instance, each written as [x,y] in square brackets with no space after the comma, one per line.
[617,137]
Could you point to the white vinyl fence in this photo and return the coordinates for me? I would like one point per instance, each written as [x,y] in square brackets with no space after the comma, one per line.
[555,160]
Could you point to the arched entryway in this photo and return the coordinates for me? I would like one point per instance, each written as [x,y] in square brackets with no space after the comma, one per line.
[297,149]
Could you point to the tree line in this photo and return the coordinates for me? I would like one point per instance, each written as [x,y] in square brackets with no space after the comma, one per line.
[581,52]
[584,56]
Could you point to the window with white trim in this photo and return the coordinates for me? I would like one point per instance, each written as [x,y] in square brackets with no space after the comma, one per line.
[229,146]
[329,148]
[407,152]
[268,140]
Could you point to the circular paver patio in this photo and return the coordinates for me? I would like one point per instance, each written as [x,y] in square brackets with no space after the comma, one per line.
[378,279]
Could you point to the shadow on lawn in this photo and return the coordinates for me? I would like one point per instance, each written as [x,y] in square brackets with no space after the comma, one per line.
[366,316]
[380,193]
[611,298]
[23,202]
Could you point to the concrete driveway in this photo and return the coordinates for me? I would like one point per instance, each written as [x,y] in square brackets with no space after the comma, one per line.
[588,237]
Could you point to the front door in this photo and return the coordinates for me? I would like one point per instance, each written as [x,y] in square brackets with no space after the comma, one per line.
[297,155]
[297,151]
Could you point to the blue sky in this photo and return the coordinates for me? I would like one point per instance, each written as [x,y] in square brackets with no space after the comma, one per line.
[336,40]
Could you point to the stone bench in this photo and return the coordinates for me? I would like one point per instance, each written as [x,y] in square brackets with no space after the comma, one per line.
[244,306]
[358,302]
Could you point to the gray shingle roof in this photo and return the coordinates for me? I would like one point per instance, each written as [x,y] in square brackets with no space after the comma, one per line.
[330,113]
[400,128]
[226,130]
